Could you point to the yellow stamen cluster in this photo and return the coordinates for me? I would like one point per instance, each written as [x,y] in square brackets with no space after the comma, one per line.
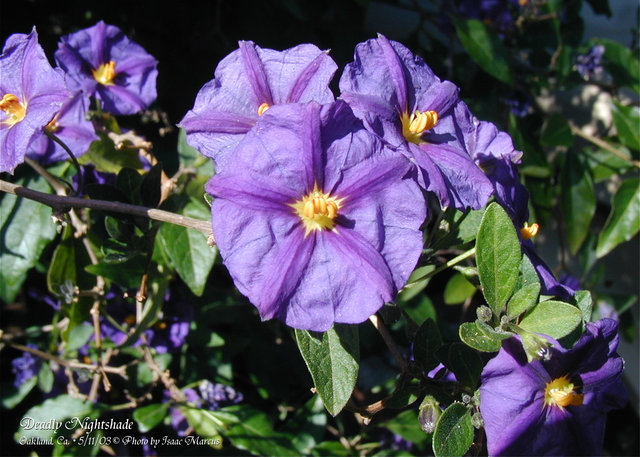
[262,108]
[16,111]
[414,125]
[53,125]
[529,231]
[317,210]
[560,392]
[105,73]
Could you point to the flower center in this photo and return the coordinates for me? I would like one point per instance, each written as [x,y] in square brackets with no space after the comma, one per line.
[105,73]
[262,108]
[529,231]
[317,210]
[12,107]
[53,125]
[560,392]
[414,125]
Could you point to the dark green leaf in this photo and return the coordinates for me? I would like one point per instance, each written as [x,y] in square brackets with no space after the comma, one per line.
[627,122]
[127,274]
[498,257]
[465,364]
[332,358]
[151,187]
[129,181]
[149,416]
[404,397]
[605,164]
[523,300]
[458,290]
[556,132]
[622,63]
[485,48]
[481,337]
[553,318]
[187,249]
[578,200]
[25,230]
[253,432]
[427,341]
[624,220]
[454,432]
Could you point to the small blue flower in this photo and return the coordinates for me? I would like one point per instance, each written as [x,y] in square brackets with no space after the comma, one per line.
[589,65]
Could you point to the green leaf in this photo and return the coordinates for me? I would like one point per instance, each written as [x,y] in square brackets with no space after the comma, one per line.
[578,200]
[454,432]
[458,290]
[406,425]
[553,318]
[149,416]
[485,48]
[54,411]
[465,364]
[78,337]
[67,263]
[12,396]
[523,300]
[498,256]
[253,432]
[605,164]
[481,337]
[622,63]
[45,378]
[333,359]
[403,397]
[556,132]
[624,220]
[25,230]
[127,273]
[425,344]
[585,303]
[105,157]
[527,274]
[187,249]
[627,122]
[190,157]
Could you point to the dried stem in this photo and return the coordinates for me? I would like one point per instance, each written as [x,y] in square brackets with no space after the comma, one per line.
[62,203]
[602,144]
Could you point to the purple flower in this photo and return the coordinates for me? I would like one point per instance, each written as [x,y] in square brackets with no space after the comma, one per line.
[519,102]
[497,13]
[314,219]
[31,92]
[71,126]
[170,331]
[103,63]
[554,407]
[402,101]
[208,396]
[25,367]
[590,65]
[247,82]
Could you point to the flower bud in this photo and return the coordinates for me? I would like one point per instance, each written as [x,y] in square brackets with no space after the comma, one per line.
[430,412]
[477,421]
[484,313]
[535,346]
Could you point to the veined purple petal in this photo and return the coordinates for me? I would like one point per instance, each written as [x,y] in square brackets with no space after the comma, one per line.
[255,73]
[395,71]
[311,146]
[254,191]
[304,79]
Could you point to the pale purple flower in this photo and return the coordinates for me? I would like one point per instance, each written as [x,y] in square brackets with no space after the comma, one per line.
[72,127]
[25,367]
[313,218]
[103,63]
[31,92]
[589,65]
[556,406]
[247,82]
[402,101]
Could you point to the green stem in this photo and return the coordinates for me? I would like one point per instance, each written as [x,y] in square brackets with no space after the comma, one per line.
[448,264]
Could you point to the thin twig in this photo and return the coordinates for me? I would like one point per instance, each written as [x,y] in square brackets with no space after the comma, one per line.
[61,203]
[602,144]
[391,344]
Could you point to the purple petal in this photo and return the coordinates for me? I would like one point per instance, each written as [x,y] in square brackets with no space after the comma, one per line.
[255,73]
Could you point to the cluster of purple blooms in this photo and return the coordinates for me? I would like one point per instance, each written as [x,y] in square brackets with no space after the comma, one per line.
[207,396]
[589,65]
[98,63]
[319,202]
